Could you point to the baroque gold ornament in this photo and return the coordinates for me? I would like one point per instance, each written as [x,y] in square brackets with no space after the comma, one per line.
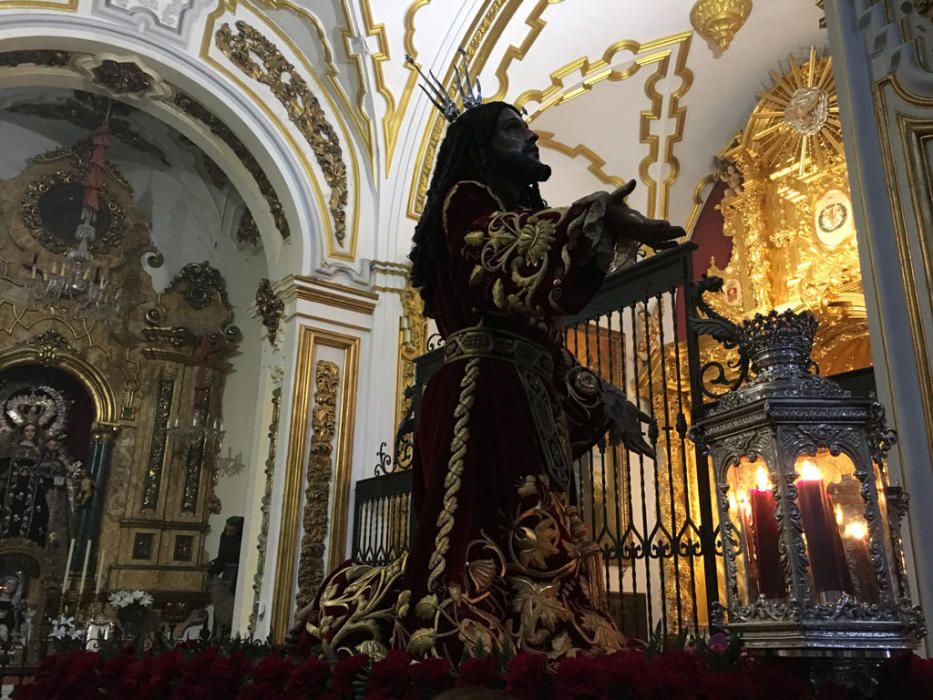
[718,21]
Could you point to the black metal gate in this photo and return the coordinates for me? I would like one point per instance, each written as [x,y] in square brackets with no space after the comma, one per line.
[653,519]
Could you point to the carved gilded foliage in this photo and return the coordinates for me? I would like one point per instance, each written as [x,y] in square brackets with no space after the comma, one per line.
[317,490]
[261,60]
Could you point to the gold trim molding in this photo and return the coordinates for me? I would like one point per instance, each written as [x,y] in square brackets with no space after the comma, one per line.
[596,164]
[309,340]
[329,293]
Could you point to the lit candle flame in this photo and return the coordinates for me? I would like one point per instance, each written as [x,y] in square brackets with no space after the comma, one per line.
[810,472]
[838,511]
[761,479]
[856,530]
[732,504]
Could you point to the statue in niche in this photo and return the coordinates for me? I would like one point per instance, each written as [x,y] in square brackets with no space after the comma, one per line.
[24,510]
[69,488]
[11,606]
[222,575]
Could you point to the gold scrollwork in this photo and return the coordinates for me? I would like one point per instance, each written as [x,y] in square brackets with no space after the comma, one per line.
[303,107]
[358,111]
[317,490]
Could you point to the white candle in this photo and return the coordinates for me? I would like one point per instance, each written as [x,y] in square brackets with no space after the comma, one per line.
[99,579]
[67,580]
[87,554]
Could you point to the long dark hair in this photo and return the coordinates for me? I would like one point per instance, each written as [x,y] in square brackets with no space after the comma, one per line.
[463,155]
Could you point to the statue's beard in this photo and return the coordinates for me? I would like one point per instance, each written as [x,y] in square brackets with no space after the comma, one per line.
[520,167]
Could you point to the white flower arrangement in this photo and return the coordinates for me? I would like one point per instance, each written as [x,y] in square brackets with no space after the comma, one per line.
[124,599]
[64,627]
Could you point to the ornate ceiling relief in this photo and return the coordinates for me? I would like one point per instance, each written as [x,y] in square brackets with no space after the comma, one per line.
[122,77]
[596,164]
[172,19]
[718,21]
[303,107]
[284,12]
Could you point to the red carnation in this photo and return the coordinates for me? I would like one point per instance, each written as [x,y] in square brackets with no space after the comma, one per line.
[480,671]
[310,679]
[346,672]
[528,677]
[580,677]
[390,674]
[431,675]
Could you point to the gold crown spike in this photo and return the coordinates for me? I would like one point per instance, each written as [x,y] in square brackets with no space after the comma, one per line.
[470,95]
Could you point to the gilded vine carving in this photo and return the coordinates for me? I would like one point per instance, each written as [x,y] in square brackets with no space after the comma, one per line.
[264,507]
[303,107]
[317,492]
[270,308]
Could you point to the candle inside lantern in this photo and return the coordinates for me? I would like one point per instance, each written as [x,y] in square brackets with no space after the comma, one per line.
[855,542]
[765,538]
[824,546]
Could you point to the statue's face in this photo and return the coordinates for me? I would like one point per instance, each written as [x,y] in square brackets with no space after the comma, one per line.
[513,150]
[29,432]
[53,443]
[513,137]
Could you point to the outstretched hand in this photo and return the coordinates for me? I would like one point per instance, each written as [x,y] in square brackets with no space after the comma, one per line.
[625,222]
[626,423]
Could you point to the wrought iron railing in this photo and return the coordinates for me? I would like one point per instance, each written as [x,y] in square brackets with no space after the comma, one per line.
[653,519]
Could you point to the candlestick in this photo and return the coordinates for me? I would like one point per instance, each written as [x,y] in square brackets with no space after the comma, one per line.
[66,583]
[87,554]
[99,579]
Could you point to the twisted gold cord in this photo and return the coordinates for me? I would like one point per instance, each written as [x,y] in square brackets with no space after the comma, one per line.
[458,447]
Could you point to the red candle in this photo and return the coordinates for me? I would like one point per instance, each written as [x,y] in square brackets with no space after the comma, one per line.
[824,546]
[765,539]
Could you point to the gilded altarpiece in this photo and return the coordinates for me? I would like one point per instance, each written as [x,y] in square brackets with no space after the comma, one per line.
[146,369]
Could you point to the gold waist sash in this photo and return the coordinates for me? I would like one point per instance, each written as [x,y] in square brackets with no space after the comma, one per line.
[500,345]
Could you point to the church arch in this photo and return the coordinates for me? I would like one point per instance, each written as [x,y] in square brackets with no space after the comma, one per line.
[304,249]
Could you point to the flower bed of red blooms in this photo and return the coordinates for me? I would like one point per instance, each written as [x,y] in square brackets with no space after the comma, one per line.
[207,673]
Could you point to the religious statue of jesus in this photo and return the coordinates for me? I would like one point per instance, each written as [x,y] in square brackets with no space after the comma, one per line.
[499,558]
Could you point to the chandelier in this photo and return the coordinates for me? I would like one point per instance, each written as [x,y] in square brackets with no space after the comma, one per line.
[200,431]
[76,280]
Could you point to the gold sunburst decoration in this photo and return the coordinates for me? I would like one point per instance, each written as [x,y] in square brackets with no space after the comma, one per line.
[796,123]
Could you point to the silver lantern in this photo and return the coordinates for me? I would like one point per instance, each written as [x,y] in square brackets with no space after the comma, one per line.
[809,527]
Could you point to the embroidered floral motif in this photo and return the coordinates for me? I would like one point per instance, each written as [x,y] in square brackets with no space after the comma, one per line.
[517,244]
[536,588]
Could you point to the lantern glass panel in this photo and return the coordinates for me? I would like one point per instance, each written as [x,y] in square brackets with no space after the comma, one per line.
[759,571]
[835,530]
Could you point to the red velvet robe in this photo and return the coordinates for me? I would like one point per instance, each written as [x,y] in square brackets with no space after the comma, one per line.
[499,559]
